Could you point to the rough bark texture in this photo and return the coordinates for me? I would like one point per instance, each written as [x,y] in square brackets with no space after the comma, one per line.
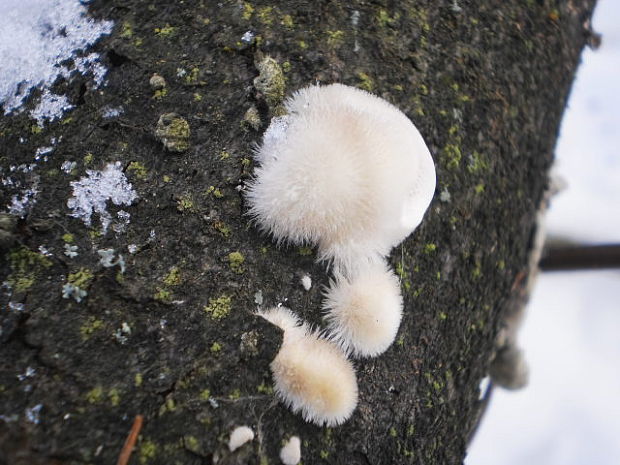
[485,82]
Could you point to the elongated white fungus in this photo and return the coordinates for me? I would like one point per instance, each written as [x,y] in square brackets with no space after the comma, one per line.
[344,170]
[290,454]
[363,312]
[239,436]
[311,374]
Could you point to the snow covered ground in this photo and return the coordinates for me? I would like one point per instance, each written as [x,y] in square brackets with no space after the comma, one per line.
[570,414]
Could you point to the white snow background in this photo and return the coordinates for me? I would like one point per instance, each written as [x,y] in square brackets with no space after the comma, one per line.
[570,412]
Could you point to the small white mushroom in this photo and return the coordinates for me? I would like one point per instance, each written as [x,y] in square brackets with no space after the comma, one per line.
[306,282]
[344,170]
[239,436]
[290,454]
[311,374]
[363,312]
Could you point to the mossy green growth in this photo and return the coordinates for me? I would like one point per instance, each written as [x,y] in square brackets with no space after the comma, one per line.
[393,432]
[148,451]
[25,266]
[270,82]
[222,228]
[334,38]
[205,394]
[265,15]
[165,31]
[137,380]
[91,325]
[68,238]
[264,388]
[287,21]
[173,131]
[81,278]
[95,395]
[126,30]
[235,260]
[384,18]
[453,155]
[477,163]
[305,251]
[218,308]
[162,295]
[235,394]
[430,248]
[88,159]
[138,169]
[160,93]
[248,9]
[365,81]
[479,188]
[216,347]
[251,119]
[217,193]
[185,203]
[324,454]
[191,443]
[173,278]
[114,397]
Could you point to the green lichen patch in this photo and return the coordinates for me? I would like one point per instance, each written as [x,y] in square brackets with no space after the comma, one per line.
[185,203]
[235,260]
[452,156]
[68,238]
[305,251]
[173,131]
[251,119]
[25,265]
[334,38]
[216,347]
[89,327]
[217,193]
[173,278]
[165,31]
[82,278]
[147,451]
[218,308]
[365,81]
[222,228]
[95,395]
[137,169]
[270,82]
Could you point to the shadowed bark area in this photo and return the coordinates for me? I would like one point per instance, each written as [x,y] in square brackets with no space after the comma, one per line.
[173,337]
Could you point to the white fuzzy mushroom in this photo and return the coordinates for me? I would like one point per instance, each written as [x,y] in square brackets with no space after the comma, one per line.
[290,454]
[363,312]
[311,374]
[239,436]
[344,170]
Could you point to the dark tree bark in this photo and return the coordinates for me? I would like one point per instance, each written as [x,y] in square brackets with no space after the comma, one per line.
[485,82]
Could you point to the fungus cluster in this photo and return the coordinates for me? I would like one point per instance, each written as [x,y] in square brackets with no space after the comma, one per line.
[349,173]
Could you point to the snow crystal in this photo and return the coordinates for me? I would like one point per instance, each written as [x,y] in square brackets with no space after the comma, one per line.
[71,251]
[91,193]
[36,38]
[247,37]
[69,290]
[21,203]
[68,166]
[33,414]
[50,107]
[111,112]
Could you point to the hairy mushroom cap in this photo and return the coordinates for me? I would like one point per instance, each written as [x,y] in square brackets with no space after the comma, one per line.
[344,170]
[311,374]
[363,312]
[239,436]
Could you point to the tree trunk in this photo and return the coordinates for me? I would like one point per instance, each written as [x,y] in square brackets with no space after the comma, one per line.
[173,337]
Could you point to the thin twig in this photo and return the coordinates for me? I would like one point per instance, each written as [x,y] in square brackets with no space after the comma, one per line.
[123,459]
